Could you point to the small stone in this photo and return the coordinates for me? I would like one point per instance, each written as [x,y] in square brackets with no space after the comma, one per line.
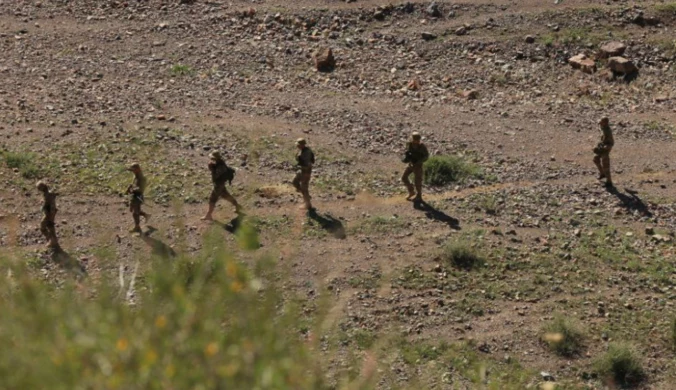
[612,49]
[428,36]
[621,65]
[470,94]
[324,60]
[461,31]
[649,230]
[583,63]
[530,39]
[433,10]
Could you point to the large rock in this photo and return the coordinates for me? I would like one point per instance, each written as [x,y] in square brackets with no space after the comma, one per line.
[324,60]
[621,65]
[583,63]
[612,49]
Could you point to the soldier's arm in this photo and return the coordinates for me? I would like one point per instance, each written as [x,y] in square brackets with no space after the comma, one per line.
[425,153]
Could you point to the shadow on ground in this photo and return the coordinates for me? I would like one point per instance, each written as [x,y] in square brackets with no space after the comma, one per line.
[328,223]
[68,262]
[436,215]
[630,201]
[231,226]
[158,247]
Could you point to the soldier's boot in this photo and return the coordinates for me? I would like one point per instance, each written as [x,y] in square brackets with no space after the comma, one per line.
[418,189]
[137,224]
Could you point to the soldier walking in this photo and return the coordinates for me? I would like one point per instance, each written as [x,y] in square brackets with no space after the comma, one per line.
[305,159]
[220,174]
[416,155]
[602,151]
[137,189]
[47,225]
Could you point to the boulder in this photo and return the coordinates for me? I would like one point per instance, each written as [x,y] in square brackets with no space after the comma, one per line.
[621,65]
[324,60]
[583,63]
[470,94]
[612,49]
[428,36]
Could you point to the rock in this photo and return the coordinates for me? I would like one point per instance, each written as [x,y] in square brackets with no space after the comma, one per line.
[433,10]
[612,49]
[547,377]
[583,63]
[414,85]
[379,15]
[461,31]
[470,94]
[530,39]
[428,36]
[324,60]
[621,65]
[649,230]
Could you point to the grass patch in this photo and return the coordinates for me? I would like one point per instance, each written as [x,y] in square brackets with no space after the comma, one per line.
[442,170]
[621,364]
[381,224]
[666,8]
[460,255]
[23,162]
[181,70]
[563,337]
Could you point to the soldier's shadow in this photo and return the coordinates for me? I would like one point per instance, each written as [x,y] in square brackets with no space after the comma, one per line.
[157,247]
[437,215]
[328,223]
[631,201]
[231,226]
[68,262]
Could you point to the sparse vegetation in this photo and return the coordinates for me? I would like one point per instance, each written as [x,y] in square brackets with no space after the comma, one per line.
[563,337]
[621,364]
[23,162]
[182,70]
[666,8]
[442,170]
[460,255]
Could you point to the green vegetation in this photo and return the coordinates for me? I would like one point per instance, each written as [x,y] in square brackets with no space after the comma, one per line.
[666,8]
[202,321]
[563,337]
[460,255]
[23,162]
[621,364]
[380,224]
[442,170]
[182,70]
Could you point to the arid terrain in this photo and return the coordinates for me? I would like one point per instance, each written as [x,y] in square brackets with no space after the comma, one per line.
[91,86]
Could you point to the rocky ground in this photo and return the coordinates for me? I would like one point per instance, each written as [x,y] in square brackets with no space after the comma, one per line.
[92,85]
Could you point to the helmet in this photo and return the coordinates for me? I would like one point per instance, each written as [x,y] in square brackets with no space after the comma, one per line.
[604,121]
[134,167]
[42,186]
[301,141]
[215,155]
[416,136]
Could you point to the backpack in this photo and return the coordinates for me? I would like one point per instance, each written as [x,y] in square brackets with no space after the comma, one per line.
[224,173]
[228,174]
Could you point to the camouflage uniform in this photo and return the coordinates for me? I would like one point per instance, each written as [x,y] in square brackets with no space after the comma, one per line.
[219,177]
[416,155]
[136,191]
[602,151]
[305,159]
[47,225]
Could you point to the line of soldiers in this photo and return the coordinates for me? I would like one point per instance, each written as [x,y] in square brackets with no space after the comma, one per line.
[415,156]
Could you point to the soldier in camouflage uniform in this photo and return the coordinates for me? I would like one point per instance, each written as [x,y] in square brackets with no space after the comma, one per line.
[602,151]
[305,159]
[416,155]
[137,189]
[47,225]
[220,174]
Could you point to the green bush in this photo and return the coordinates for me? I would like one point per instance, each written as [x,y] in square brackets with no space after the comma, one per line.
[24,162]
[563,337]
[460,255]
[621,364]
[182,70]
[442,170]
[203,321]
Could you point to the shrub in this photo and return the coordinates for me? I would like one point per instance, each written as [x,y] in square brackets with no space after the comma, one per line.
[620,364]
[563,337]
[441,170]
[181,70]
[196,321]
[460,255]
[24,162]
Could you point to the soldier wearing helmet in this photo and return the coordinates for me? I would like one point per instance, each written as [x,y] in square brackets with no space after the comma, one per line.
[47,225]
[220,174]
[415,156]
[136,191]
[305,160]
[602,151]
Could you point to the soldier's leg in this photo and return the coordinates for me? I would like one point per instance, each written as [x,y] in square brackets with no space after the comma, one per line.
[227,196]
[136,215]
[405,179]
[597,162]
[418,172]
[213,198]
[605,162]
[296,181]
[53,240]
[43,228]
[305,190]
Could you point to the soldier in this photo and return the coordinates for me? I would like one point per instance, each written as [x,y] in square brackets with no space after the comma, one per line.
[136,189]
[305,159]
[220,173]
[49,210]
[416,154]
[602,151]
